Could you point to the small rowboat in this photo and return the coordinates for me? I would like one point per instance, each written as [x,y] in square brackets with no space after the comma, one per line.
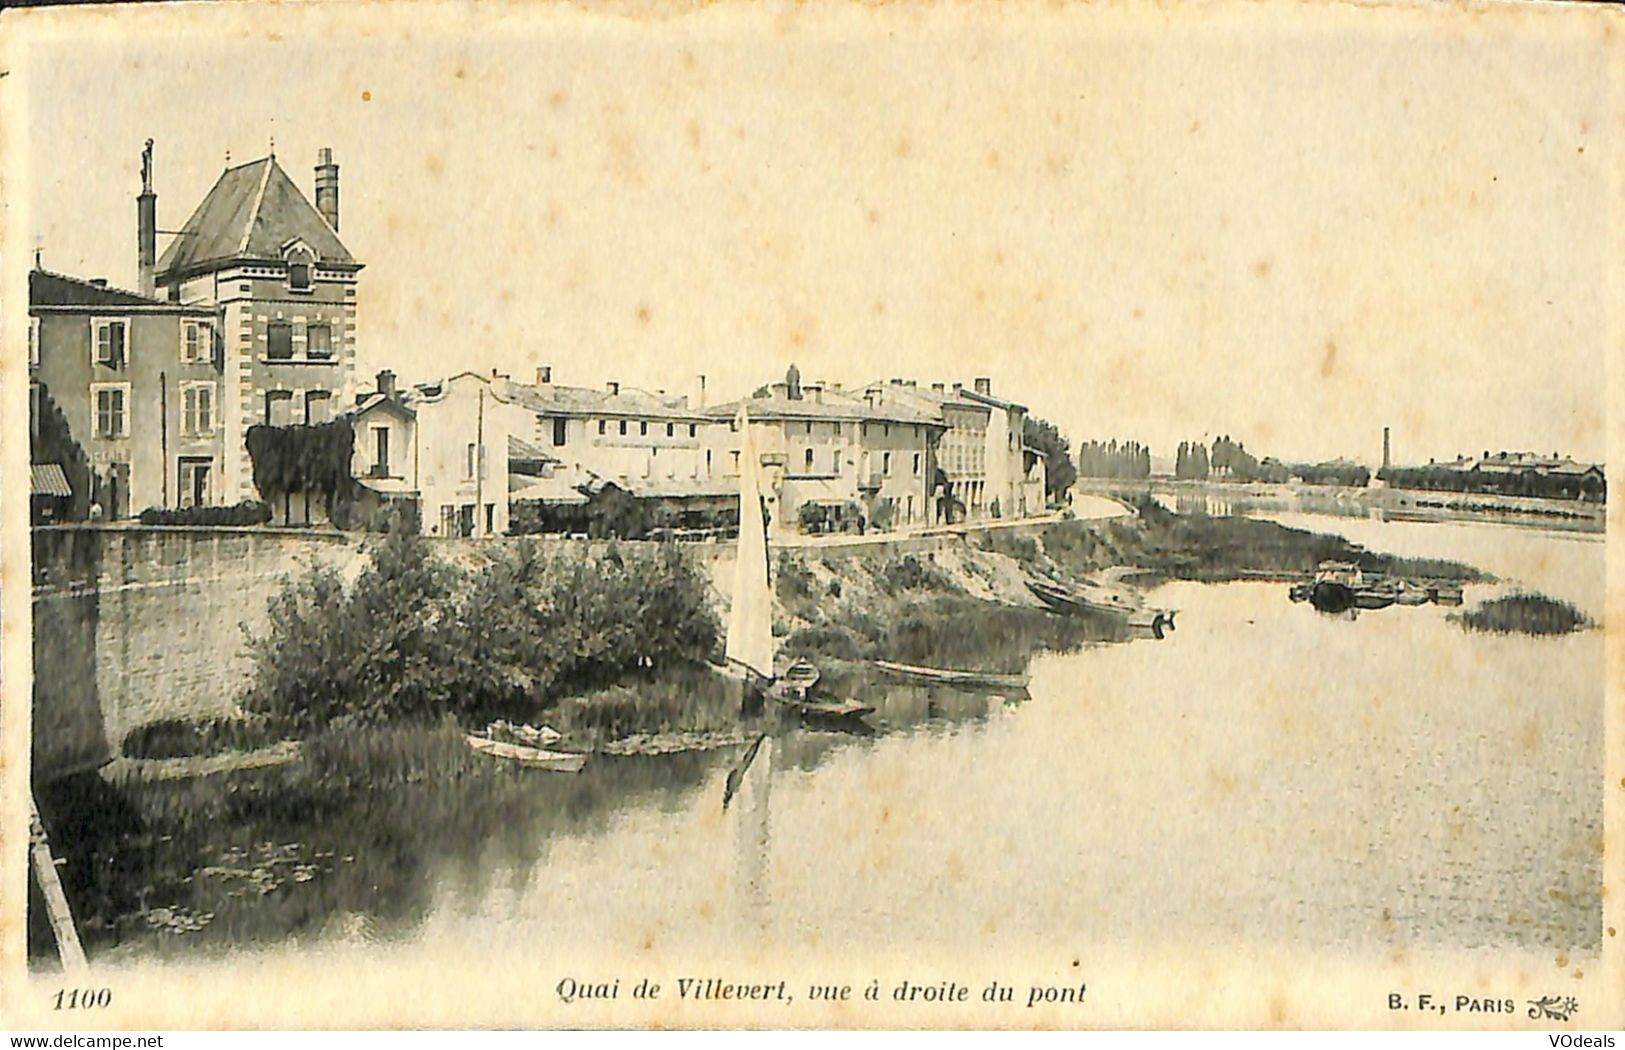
[829,710]
[950,676]
[532,757]
[1097,598]
[801,675]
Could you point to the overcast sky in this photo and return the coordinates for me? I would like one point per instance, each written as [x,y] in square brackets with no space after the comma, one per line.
[1289,224]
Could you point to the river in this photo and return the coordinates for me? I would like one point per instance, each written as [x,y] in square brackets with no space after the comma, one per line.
[1267,774]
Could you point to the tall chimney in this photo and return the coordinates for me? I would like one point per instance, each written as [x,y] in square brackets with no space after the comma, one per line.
[984,386]
[146,227]
[1386,460]
[327,187]
[386,383]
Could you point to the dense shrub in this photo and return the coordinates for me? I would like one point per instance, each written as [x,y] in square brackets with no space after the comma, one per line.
[248,512]
[911,573]
[414,637]
[793,580]
[1525,614]
[175,737]
[536,623]
[1011,545]
[534,516]
[376,650]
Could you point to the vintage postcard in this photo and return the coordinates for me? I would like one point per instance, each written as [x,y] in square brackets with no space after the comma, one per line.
[848,516]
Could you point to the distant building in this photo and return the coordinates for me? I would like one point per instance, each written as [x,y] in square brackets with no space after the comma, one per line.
[636,438]
[285,288]
[989,470]
[137,381]
[1507,473]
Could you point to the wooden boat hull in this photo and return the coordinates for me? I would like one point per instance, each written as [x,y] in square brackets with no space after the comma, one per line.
[949,676]
[1102,601]
[828,710]
[530,757]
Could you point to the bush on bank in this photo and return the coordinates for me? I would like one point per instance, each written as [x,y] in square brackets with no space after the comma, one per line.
[248,512]
[1534,614]
[415,638]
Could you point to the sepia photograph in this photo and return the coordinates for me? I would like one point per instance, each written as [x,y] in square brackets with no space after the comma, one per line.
[810,516]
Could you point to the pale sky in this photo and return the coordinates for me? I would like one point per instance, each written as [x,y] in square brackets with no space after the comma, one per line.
[1287,223]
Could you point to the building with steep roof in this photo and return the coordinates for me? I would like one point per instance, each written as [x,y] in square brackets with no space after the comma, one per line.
[285,286]
[124,396]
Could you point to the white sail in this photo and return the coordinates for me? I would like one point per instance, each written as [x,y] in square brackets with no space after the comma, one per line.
[750,620]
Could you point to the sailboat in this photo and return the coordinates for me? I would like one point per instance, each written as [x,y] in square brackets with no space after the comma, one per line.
[749,652]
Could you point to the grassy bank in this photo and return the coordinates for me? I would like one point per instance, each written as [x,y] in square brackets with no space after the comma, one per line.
[1209,549]
[1533,614]
[608,641]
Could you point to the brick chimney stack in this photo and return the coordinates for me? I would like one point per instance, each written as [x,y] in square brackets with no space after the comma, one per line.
[386,383]
[984,386]
[327,187]
[146,227]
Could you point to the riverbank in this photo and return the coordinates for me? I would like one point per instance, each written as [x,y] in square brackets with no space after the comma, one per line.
[1387,503]
[959,602]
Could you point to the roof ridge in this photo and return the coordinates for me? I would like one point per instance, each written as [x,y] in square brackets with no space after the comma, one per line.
[105,286]
[259,202]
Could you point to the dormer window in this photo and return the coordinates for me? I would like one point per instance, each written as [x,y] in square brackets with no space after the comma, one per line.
[301,261]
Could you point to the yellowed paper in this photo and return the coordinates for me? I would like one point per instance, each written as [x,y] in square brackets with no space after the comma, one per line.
[1321,229]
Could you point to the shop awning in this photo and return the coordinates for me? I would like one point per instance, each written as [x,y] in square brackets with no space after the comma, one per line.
[48,480]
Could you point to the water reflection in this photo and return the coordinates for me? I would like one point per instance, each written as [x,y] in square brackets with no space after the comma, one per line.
[1267,774]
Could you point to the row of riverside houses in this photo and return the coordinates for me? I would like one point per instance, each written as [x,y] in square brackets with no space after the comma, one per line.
[145,399]
[470,449]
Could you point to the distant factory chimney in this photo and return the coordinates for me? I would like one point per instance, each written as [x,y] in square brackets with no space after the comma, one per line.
[699,391]
[1387,458]
[327,187]
[146,227]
